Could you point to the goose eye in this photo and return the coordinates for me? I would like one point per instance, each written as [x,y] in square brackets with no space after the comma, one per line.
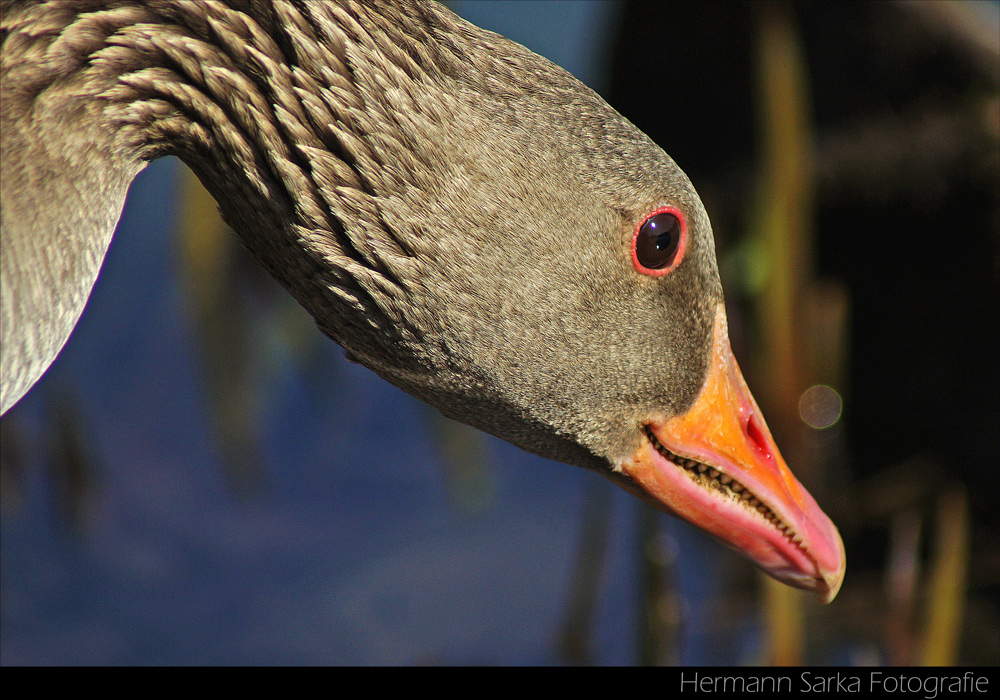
[659,241]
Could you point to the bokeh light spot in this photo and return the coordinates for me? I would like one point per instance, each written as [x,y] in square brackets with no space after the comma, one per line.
[820,406]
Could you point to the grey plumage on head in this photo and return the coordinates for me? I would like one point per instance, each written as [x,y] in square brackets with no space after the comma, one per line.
[453,209]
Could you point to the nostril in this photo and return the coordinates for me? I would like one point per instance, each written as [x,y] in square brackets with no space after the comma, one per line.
[756,434]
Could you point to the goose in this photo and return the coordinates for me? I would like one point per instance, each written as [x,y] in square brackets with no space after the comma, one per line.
[464,217]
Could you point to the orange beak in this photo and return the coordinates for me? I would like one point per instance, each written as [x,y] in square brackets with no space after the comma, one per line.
[717,466]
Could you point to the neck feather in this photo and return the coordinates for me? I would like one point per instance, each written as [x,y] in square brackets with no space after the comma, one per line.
[287,112]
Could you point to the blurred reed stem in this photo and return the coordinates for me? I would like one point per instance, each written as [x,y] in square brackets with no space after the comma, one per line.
[782,219]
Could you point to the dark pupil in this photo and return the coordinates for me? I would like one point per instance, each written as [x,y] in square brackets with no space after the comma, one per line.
[656,245]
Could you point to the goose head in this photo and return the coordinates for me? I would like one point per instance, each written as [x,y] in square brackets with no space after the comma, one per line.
[464,217]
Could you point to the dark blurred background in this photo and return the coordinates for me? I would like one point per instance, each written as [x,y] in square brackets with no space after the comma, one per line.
[202,478]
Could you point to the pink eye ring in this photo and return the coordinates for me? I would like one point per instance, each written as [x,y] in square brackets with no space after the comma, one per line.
[659,241]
